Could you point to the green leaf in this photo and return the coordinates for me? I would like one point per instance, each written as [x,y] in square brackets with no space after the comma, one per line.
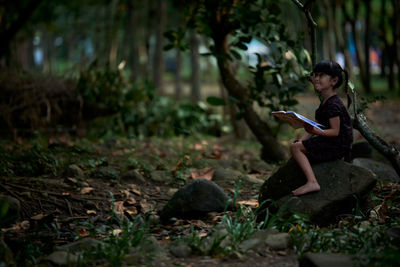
[351,86]
[216,101]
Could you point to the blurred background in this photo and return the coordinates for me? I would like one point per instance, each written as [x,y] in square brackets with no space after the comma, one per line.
[141,68]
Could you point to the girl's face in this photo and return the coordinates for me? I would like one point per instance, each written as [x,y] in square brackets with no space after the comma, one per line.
[322,81]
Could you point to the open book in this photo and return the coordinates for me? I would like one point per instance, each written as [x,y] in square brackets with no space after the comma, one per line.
[296,120]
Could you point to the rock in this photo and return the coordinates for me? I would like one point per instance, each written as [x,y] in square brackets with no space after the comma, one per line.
[394,234]
[161,176]
[62,258]
[327,260]
[9,210]
[195,200]
[382,170]
[224,176]
[204,163]
[250,244]
[79,246]
[361,150]
[339,182]
[74,170]
[259,166]
[277,241]
[180,250]
[106,173]
[133,177]
[228,163]
[252,180]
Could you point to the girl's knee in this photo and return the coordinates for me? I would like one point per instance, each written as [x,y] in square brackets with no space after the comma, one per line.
[296,147]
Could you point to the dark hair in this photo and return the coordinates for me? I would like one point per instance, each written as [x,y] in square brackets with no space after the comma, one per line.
[333,69]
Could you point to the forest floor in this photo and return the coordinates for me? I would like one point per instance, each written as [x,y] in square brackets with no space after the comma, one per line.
[73,189]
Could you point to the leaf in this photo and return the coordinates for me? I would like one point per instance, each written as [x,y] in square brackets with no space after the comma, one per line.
[38,217]
[130,201]
[136,191]
[216,101]
[72,180]
[86,190]
[116,232]
[145,207]
[91,212]
[83,232]
[351,86]
[132,210]
[252,203]
[206,173]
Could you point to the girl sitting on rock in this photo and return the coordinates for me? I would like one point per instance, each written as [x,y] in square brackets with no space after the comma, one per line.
[335,141]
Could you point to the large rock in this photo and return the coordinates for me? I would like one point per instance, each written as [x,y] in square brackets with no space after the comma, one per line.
[194,200]
[361,150]
[327,260]
[9,210]
[342,185]
[382,170]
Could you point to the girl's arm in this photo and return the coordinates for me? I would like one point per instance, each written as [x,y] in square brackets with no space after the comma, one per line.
[331,132]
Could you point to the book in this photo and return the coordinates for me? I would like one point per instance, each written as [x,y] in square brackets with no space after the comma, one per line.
[296,120]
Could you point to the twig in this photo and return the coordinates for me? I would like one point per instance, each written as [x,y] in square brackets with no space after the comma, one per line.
[69,207]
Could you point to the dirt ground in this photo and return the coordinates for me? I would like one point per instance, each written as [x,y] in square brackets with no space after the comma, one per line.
[71,205]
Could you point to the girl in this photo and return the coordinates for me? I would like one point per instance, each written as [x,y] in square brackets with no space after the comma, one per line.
[332,143]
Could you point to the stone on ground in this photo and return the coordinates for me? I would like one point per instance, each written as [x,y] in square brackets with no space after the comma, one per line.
[161,176]
[327,260]
[9,210]
[133,177]
[195,200]
[361,150]
[382,170]
[340,182]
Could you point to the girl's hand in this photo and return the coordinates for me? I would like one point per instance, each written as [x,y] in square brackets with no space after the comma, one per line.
[311,129]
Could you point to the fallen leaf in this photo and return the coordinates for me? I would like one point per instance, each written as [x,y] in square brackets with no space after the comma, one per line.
[136,191]
[145,207]
[252,203]
[125,193]
[83,232]
[132,210]
[202,234]
[38,217]
[119,207]
[130,201]
[72,180]
[116,232]
[86,190]
[207,173]
[199,147]
[91,212]
[66,194]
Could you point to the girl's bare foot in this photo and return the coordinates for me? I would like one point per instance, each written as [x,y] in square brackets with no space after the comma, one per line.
[307,188]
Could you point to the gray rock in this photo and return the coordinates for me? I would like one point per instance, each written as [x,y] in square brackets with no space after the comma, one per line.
[161,176]
[228,163]
[382,170]
[361,150]
[327,260]
[78,246]
[224,176]
[11,208]
[195,200]
[394,234]
[251,243]
[62,258]
[259,166]
[204,163]
[181,250]
[133,177]
[106,173]
[339,182]
[252,180]
[74,170]
[277,241]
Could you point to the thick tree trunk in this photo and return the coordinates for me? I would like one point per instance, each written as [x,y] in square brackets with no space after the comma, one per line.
[367,42]
[178,75]
[132,40]
[330,29]
[341,41]
[396,37]
[195,94]
[272,149]
[8,32]
[158,60]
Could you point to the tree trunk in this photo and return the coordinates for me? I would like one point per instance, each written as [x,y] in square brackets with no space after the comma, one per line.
[272,149]
[195,94]
[8,30]
[396,37]
[367,42]
[158,60]
[132,40]
[178,74]
[337,25]
[330,29]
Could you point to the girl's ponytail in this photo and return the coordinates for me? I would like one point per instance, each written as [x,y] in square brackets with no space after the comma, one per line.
[346,87]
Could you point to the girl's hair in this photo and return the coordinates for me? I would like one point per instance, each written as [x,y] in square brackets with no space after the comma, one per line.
[333,69]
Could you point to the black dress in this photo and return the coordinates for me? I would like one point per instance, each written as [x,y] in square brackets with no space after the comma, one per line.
[330,148]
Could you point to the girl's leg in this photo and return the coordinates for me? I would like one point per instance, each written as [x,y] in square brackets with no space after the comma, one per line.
[298,152]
